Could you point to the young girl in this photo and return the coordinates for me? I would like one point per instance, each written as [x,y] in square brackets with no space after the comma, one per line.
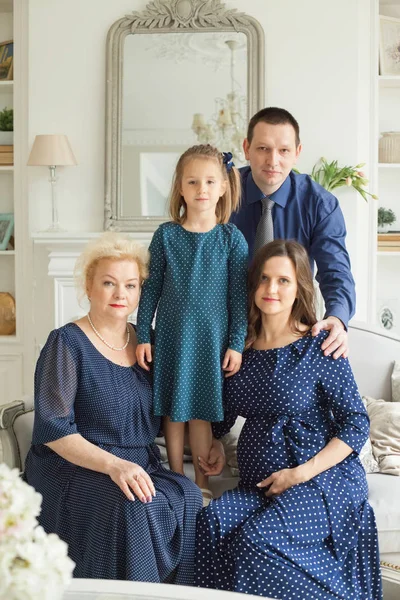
[197,283]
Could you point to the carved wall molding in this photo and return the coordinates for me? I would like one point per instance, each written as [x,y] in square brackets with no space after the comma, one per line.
[191,14]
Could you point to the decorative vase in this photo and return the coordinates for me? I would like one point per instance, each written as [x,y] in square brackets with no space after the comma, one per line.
[389,147]
[383,228]
[7,314]
[6,138]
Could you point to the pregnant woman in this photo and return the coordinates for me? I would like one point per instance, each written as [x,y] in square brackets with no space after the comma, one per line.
[299,526]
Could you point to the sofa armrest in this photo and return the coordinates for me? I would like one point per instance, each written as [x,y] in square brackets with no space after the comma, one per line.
[9,451]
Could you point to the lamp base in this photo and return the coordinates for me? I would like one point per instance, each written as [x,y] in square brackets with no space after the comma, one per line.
[54,228]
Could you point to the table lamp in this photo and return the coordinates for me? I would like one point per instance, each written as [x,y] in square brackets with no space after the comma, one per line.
[52,151]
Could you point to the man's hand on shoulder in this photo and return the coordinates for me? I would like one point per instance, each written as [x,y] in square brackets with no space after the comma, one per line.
[337,340]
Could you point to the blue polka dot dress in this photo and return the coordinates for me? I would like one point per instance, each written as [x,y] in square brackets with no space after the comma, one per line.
[78,390]
[317,540]
[197,283]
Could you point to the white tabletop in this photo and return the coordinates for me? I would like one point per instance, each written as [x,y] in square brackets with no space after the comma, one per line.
[106,589]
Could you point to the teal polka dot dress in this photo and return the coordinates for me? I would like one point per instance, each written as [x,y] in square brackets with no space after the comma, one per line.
[197,284]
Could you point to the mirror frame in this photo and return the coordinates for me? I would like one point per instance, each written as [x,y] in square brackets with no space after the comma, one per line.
[166,16]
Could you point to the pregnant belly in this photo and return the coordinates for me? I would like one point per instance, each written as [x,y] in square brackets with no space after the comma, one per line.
[267,446]
[257,461]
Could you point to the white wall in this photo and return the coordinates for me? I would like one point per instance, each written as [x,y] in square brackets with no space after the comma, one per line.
[317,66]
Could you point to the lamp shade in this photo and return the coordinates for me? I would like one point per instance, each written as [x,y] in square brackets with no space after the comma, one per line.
[51,150]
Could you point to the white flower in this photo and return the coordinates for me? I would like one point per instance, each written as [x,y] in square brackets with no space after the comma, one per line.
[33,565]
[19,505]
[36,568]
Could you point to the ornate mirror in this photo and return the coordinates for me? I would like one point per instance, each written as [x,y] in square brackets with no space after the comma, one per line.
[179,73]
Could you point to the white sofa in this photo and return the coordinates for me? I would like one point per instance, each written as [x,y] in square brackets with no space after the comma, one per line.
[372,355]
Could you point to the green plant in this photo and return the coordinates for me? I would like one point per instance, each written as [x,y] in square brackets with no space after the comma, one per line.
[331,176]
[7,119]
[385,216]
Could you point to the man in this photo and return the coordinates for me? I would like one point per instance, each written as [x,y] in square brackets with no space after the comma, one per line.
[301,210]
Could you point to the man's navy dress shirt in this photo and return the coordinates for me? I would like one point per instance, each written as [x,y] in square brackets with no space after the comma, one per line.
[306,212]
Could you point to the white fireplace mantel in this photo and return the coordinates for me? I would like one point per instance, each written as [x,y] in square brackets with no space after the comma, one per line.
[63,250]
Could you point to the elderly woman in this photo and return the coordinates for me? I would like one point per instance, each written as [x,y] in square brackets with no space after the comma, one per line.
[299,525]
[93,456]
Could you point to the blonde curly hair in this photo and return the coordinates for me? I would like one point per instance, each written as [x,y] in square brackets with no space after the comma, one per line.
[112,246]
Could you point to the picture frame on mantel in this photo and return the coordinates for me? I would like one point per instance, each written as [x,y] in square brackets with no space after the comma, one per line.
[6,60]
[6,229]
[389,46]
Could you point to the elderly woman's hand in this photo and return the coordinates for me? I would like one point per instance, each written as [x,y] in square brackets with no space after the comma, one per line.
[216,460]
[130,476]
[279,482]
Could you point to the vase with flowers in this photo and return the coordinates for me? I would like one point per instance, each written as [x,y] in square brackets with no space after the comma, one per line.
[33,565]
[331,176]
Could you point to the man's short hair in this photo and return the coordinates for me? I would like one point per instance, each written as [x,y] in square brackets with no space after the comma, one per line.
[273,116]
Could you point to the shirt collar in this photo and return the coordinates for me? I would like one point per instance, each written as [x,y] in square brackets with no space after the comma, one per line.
[254,194]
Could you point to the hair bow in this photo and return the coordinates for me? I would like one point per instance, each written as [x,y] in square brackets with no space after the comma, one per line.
[227,160]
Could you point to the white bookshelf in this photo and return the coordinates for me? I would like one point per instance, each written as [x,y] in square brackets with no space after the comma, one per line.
[15,352]
[387,118]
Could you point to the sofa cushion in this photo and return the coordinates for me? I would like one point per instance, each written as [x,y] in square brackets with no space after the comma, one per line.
[385,434]
[384,495]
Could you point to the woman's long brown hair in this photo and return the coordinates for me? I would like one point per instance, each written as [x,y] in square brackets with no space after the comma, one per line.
[303,310]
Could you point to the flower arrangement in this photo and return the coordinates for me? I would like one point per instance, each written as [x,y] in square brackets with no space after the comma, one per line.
[33,564]
[331,176]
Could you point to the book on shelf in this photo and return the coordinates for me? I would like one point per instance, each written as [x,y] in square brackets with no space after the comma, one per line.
[6,156]
[389,248]
[392,236]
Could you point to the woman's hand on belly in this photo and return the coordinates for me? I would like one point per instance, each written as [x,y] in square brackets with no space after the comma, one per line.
[332,454]
[130,477]
[279,482]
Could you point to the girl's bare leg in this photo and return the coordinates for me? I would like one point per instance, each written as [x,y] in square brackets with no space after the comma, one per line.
[174,438]
[200,436]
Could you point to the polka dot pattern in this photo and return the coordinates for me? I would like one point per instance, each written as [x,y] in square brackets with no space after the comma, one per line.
[78,390]
[197,284]
[317,540]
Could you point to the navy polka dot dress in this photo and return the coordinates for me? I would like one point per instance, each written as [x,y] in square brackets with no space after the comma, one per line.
[78,390]
[197,283]
[317,540]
